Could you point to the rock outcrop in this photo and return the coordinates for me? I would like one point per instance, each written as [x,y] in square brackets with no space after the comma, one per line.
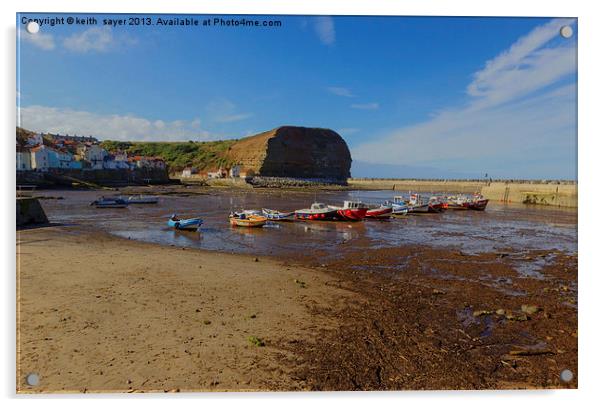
[295,152]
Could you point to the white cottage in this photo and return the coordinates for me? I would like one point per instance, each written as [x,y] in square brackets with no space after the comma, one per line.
[23,159]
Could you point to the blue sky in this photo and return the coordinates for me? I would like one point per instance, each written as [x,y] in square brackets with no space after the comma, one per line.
[412,96]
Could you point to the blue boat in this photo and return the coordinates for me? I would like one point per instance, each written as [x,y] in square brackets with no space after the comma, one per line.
[184,224]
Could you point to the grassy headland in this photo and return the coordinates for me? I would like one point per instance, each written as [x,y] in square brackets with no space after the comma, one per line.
[177,155]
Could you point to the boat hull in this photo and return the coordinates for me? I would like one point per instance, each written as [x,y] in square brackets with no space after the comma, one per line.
[143,201]
[109,203]
[379,213]
[278,216]
[250,222]
[309,215]
[351,214]
[436,207]
[185,224]
[479,205]
[418,209]
[458,206]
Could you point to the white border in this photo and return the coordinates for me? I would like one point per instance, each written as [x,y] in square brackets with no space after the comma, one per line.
[589,189]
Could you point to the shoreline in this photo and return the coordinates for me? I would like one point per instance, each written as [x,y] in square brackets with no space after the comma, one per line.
[434,325]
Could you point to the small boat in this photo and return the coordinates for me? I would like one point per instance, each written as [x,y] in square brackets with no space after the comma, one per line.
[381,212]
[247,212]
[277,215]
[249,221]
[184,224]
[478,202]
[417,204]
[458,202]
[110,203]
[142,199]
[351,211]
[399,206]
[317,211]
[436,204]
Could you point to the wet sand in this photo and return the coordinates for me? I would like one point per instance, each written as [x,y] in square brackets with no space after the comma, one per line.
[421,320]
[99,313]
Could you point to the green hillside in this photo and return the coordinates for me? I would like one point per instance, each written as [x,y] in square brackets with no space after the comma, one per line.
[202,155]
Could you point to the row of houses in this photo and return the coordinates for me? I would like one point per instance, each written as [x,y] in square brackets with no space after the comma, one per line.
[235,171]
[72,153]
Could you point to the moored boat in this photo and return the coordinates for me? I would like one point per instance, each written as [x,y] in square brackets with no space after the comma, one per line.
[317,211]
[399,206]
[458,202]
[184,224]
[142,199]
[418,205]
[436,204]
[381,212]
[350,211]
[249,221]
[274,215]
[110,203]
[478,202]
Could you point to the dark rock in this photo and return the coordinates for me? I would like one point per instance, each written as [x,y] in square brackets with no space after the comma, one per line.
[295,152]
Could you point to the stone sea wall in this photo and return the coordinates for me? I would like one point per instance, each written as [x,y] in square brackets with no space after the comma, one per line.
[87,177]
[30,212]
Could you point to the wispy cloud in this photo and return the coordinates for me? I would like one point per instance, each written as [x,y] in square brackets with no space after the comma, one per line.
[40,40]
[365,106]
[324,29]
[340,91]
[96,39]
[521,112]
[225,111]
[111,126]
[233,117]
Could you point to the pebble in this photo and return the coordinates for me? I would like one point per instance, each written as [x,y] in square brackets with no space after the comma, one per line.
[529,309]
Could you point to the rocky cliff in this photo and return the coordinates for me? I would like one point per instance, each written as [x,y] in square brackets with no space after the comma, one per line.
[296,152]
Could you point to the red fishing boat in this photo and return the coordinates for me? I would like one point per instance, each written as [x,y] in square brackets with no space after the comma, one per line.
[351,211]
[381,212]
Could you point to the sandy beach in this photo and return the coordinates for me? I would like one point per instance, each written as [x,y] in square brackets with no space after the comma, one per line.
[99,313]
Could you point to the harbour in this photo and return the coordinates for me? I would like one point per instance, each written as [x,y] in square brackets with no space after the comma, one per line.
[467,291]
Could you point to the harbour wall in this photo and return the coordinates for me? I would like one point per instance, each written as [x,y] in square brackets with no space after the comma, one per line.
[93,178]
[29,211]
[554,193]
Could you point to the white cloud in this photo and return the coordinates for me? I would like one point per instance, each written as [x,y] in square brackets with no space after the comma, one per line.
[521,109]
[340,91]
[40,40]
[365,106]
[224,111]
[111,126]
[324,28]
[96,39]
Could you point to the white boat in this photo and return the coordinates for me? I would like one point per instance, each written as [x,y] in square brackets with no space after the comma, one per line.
[272,214]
